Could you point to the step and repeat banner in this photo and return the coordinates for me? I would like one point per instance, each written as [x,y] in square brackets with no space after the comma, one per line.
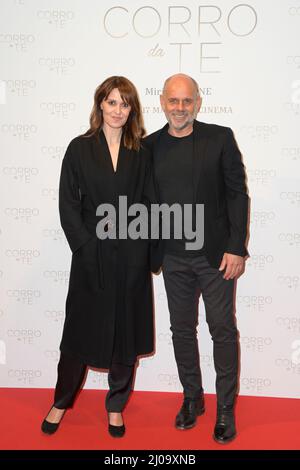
[246,59]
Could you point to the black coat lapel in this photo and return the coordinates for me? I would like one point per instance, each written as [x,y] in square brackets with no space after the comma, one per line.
[101,168]
[127,171]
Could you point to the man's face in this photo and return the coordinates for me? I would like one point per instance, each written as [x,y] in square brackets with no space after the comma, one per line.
[180,104]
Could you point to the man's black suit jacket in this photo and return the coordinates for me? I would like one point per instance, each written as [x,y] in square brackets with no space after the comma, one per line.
[219,182]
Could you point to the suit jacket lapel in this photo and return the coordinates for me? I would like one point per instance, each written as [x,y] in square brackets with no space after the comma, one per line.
[199,155]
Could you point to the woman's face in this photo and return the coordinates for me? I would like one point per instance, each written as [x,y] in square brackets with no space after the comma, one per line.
[115,110]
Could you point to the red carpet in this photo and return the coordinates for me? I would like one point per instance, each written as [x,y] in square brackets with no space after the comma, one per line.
[262,423]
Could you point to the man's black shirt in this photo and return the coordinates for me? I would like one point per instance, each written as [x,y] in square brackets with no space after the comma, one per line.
[174,175]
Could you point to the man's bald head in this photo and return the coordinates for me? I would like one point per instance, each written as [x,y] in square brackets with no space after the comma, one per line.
[178,78]
[181,102]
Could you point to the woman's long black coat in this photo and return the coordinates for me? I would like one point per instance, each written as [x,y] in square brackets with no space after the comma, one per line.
[109,302]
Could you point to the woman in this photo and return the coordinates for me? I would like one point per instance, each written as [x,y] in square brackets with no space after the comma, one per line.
[109,304]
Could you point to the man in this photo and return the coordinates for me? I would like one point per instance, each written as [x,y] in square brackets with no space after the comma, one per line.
[197,163]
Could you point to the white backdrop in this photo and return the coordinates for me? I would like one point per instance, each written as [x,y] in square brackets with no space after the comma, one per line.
[246,59]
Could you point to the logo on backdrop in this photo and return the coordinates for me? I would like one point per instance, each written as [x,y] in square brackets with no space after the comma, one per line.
[53,152]
[58,277]
[55,234]
[262,219]
[56,316]
[258,303]
[22,214]
[260,132]
[21,132]
[21,174]
[259,262]
[58,109]
[197,32]
[291,198]
[25,376]
[18,42]
[24,296]
[20,87]
[24,256]
[291,153]
[25,336]
[56,18]
[288,280]
[287,363]
[289,323]
[57,65]
[50,193]
[256,384]
[256,343]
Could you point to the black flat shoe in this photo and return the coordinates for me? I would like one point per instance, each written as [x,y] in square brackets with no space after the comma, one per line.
[116,431]
[225,430]
[50,428]
[189,412]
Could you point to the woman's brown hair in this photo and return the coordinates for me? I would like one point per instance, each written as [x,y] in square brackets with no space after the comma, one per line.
[133,130]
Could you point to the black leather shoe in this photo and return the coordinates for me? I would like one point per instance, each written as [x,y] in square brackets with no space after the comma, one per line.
[50,428]
[116,431]
[190,410]
[224,431]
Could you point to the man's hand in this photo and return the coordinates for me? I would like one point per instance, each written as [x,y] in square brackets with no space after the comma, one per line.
[234,265]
